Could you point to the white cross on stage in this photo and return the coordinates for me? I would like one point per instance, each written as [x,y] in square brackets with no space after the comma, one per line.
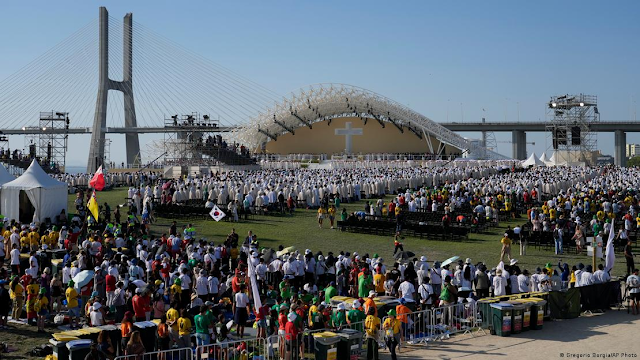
[348,132]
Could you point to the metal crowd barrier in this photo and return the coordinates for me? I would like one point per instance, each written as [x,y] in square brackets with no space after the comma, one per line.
[248,348]
[171,354]
[421,327]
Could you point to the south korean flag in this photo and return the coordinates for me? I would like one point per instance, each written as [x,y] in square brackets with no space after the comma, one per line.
[216,213]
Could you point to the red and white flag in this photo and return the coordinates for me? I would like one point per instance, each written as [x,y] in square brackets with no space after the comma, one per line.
[97,182]
[216,213]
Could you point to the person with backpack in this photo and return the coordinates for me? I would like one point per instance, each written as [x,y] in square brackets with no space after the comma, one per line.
[391,328]
[449,293]
[633,284]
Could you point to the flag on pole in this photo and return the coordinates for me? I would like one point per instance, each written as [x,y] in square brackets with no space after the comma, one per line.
[92,205]
[97,182]
[216,213]
[610,256]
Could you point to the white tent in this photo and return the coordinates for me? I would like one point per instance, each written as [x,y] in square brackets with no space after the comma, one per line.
[543,158]
[5,177]
[34,191]
[533,161]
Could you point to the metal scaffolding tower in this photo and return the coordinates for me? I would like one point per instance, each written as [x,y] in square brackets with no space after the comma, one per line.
[193,142]
[52,141]
[570,119]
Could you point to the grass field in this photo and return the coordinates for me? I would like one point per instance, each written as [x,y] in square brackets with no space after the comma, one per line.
[301,230]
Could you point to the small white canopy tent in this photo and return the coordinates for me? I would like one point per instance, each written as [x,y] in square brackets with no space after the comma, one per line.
[543,158]
[34,192]
[5,176]
[533,161]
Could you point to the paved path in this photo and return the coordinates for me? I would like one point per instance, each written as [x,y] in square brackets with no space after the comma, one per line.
[597,336]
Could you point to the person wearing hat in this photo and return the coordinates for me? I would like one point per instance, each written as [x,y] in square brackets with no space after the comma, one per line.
[339,317]
[391,327]
[356,316]
[370,304]
[72,304]
[315,317]
[176,291]
[372,326]
[96,316]
[291,346]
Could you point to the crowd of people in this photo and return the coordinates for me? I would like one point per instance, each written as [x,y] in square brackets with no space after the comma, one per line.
[211,290]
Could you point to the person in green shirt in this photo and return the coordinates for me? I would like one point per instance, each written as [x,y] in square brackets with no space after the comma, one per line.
[339,318]
[356,316]
[203,323]
[330,292]
[365,283]
[285,289]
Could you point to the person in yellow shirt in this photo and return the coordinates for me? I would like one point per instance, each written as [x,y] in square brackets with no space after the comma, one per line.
[506,247]
[391,328]
[378,281]
[17,295]
[176,290]
[172,321]
[552,214]
[332,214]
[42,308]
[600,215]
[545,209]
[34,239]
[24,242]
[184,330]
[372,326]
[322,212]
[72,304]
[315,314]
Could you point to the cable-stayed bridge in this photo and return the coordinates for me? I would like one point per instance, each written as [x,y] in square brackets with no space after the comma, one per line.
[143,79]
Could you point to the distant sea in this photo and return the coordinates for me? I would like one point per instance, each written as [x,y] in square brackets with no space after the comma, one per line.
[76,169]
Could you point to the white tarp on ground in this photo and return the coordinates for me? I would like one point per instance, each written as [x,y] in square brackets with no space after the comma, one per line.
[533,161]
[47,195]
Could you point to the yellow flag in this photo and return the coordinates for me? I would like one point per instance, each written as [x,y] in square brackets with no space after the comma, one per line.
[93,206]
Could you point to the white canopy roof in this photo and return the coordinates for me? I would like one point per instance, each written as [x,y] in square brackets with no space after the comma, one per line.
[543,158]
[5,177]
[47,195]
[533,161]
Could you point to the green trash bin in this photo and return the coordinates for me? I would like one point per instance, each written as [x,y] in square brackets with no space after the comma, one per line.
[516,316]
[326,345]
[484,307]
[501,318]
[350,345]
[526,314]
[537,313]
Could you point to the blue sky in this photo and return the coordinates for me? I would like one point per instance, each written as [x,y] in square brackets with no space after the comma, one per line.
[444,59]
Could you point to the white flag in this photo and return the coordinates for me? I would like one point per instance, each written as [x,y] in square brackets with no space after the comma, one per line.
[216,213]
[610,253]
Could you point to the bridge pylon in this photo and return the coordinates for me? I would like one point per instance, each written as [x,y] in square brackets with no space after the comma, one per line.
[97,145]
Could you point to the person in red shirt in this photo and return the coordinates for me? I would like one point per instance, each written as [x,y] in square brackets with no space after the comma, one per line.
[392,209]
[261,318]
[140,305]
[291,336]
[110,285]
[237,281]
[282,322]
